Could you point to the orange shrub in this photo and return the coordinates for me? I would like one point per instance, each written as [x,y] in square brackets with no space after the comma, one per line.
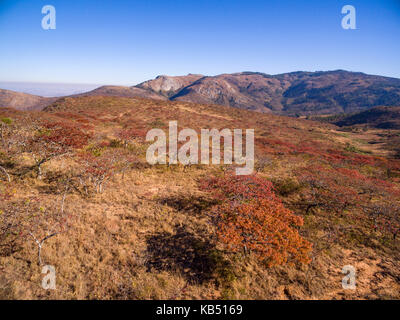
[251,217]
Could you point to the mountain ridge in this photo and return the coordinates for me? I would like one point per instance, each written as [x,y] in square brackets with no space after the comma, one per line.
[298,93]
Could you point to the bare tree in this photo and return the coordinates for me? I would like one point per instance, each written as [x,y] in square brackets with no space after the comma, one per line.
[6,173]
[42,241]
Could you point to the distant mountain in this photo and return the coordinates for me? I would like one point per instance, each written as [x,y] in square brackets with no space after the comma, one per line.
[297,93]
[379,117]
[126,92]
[253,91]
[23,101]
[292,94]
[169,86]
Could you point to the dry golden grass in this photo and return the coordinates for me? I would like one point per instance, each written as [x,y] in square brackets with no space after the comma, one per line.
[148,236]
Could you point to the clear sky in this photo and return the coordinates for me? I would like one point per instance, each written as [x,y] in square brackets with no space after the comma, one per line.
[126,42]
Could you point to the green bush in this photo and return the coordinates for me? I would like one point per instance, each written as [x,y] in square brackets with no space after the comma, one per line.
[286,186]
[6,120]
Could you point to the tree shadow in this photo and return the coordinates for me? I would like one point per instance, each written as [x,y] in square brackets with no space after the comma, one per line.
[18,170]
[54,182]
[8,249]
[198,260]
[191,204]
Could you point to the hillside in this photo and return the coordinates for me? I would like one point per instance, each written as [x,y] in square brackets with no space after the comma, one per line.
[121,91]
[23,101]
[297,93]
[379,117]
[124,229]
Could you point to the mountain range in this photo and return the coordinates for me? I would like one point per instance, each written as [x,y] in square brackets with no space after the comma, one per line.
[291,94]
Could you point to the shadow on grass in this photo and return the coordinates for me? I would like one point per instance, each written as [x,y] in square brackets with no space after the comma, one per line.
[8,249]
[192,204]
[197,259]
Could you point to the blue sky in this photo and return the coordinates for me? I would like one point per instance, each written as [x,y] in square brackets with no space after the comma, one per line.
[126,42]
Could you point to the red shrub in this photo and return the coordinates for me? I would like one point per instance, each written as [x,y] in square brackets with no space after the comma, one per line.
[327,189]
[98,168]
[130,134]
[54,139]
[386,218]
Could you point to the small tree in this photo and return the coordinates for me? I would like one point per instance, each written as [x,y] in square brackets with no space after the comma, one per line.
[97,168]
[386,218]
[54,139]
[130,134]
[23,219]
[250,217]
[5,124]
[327,189]
[7,133]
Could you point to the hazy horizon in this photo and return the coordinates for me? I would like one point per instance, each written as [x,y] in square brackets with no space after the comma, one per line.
[59,89]
[48,89]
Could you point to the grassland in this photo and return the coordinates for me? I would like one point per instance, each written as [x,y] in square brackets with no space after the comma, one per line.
[148,234]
